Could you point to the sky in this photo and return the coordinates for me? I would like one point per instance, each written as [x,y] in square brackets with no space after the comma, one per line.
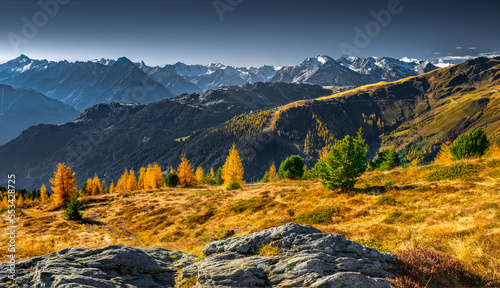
[246,32]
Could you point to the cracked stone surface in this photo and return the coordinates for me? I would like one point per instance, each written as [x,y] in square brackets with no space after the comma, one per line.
[304,257]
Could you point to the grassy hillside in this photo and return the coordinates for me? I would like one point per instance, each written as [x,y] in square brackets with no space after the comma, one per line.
[451,209]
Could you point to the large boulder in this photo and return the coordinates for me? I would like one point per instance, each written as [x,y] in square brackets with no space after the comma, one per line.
[301,256]
[304,257]
[111,266]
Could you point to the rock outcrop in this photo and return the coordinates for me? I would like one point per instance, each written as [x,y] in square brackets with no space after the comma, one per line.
[300,256]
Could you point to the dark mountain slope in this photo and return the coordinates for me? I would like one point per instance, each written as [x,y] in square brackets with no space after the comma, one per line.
[21,108]
[107,138]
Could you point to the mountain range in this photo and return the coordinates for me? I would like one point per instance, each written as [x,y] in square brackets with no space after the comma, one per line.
[268,122]
[83,84]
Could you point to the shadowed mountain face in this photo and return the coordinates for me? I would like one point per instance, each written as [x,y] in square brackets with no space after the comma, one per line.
[82,84]
[21,108]
[107,137]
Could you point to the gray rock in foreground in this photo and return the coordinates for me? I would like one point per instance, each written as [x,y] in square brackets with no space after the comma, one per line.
[304,257]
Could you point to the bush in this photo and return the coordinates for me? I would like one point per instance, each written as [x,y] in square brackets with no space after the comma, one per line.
[344,163]
[433,269]
[387,159]
[234,185]
[72,211]
[172,180]
[292,168]
[453,172]
[321,216]
[470,145]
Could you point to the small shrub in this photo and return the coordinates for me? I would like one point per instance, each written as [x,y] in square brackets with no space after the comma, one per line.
[470,145]
[172,180]
[292,168]
[234,185]
[244,205]
[321,216]
[389,183]
[269,251]
[386,200]
[452,172]
[72,211]
[398,217]
[433,269]
[373,243]
[493,163]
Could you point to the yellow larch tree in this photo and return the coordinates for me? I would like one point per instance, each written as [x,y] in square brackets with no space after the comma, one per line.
[154,177]
[122,184]
[131,181]
[494,151]
[273,174]
[444,156]
[141,182]
[43,193]
[64,182]
[232,171]
[112,188]
[200,176]
[185,173]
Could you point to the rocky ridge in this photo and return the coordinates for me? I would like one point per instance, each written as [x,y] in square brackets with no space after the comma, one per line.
[303,257]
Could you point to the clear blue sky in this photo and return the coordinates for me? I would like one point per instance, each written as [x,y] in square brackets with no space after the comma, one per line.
[255,32]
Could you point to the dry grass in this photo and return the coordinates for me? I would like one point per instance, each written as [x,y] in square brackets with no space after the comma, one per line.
[456,218]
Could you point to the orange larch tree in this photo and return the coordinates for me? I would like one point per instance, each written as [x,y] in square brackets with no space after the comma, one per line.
[64,182]
[273,175]
[43,193]
[200,176]
[185,173]
[232,171]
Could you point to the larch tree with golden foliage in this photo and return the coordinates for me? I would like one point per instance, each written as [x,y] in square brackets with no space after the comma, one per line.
[122,184]
[154,177]
[185,173]
[64,182]
[131,181]
[273,174]
[112,188]
[200,176]
[43,193]
[232,171]
[141,182]
[444,156]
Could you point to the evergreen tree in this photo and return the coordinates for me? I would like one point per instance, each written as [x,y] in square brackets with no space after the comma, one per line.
[72,211]
[218,177]
[292,168]
[64,182]
[265,179]
[185,173]
[172,180]
[344,163]
[387,159]
[470,145]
